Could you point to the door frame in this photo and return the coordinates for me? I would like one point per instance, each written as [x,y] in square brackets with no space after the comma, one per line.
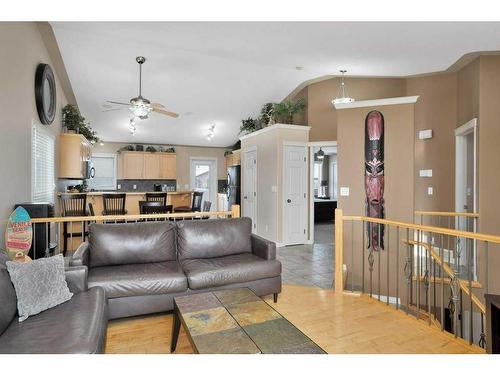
[470,127]
[213,184]
[283,169]
[242,185]
[311,146]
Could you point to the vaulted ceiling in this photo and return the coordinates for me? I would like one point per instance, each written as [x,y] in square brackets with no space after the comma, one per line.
[219,73]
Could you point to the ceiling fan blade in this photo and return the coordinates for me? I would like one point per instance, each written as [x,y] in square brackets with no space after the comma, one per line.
[157,105]
[112,109]
[120,103]
[164,112]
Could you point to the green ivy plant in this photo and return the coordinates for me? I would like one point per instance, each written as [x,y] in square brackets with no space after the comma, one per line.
[73,120]
[284,111]
[249,125]
[266,114]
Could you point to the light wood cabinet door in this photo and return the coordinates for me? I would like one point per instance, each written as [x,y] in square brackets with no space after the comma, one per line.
[168,166]
[132,166]
[74,149]
[152,166]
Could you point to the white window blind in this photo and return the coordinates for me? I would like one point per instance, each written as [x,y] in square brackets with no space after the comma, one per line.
[42,164]
[105,172]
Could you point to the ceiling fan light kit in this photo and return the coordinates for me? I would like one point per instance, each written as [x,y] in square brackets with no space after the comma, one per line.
[211,133]
[139,106]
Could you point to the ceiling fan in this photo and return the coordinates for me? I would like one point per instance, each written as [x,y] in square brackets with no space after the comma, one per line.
[140,106]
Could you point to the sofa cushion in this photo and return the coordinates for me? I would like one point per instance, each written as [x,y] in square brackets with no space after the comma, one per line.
[8,300]
[213,238]
[76,326]
[139,279]
[239,268]
[131,243]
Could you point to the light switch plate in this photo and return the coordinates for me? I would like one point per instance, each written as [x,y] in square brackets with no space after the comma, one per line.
[344,191]
[430,190]
[425,134]
[119,186]
[426,173]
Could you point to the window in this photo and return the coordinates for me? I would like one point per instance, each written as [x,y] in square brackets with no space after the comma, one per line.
[105,172]
[42,164]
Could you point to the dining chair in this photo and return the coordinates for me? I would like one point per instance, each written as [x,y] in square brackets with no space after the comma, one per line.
[114,203]
[195,203]
[157,197]
[73,205]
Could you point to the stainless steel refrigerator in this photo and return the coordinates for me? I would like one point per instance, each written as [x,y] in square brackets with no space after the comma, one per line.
[233,186]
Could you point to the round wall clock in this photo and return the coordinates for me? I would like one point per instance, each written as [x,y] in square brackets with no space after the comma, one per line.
[45,93]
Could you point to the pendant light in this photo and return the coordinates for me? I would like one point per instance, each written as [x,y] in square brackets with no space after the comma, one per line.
[342,97]
[320,155]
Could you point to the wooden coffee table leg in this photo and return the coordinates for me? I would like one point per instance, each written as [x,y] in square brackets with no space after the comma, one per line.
[176,325]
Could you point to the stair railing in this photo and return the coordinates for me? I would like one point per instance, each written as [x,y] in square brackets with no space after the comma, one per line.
[430,272]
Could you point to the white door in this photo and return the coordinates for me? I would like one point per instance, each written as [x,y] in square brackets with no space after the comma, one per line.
[204,179]
[250,187]
[295,195]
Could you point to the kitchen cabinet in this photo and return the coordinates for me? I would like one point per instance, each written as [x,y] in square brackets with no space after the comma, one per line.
[233,159]
[131,165]
[168,166]
[74,152]
[135,165]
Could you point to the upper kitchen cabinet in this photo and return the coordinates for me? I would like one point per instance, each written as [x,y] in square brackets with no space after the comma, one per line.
[233,158]
[135,165]
[75,153]
[131,165]
[168,166]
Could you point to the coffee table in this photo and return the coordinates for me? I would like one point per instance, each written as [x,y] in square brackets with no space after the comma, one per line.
[236,321]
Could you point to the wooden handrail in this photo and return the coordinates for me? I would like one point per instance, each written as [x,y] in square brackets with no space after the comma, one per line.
[444,213]
[235,212]
[446,268]
[427,228]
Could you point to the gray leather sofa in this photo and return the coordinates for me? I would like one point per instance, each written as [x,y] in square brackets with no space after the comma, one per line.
[143,266]
[77,326]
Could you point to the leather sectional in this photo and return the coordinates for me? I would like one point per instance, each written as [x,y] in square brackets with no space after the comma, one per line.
[77,326]
[143,266]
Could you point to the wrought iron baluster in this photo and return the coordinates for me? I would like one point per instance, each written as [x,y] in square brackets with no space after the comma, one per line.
[397,268]
[352,256]
[379,251]
[408,271]
[441,274]
[363,257]
[388,260]
[482,336]
[469,276]
[47,245]
[371,259]
[486,276]
[418,273]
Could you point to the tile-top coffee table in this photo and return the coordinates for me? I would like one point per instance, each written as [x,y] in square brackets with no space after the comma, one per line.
[236,321]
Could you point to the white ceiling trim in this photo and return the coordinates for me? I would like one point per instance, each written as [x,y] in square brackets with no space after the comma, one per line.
[377,102]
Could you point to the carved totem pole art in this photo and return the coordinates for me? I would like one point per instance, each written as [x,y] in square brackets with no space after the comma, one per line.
[374,177]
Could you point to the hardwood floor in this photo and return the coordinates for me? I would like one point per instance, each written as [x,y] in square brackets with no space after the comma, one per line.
[339,324]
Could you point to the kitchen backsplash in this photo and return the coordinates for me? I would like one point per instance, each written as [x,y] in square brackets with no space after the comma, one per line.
[145,185]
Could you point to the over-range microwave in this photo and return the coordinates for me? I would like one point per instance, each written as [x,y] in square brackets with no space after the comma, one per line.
[88,170]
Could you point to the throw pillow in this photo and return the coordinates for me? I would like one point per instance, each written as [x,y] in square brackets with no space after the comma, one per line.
[39,284]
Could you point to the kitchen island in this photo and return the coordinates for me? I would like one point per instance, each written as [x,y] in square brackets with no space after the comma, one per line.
[175,198]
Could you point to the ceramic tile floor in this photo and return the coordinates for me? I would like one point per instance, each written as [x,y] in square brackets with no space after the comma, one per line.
[310,265]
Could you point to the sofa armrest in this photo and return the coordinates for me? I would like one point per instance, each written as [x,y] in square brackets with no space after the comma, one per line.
[263,248]
[81,255]
[76,277]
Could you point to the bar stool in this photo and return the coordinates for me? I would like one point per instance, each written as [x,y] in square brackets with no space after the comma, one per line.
[155,207]
[114,203]
[157,197]
[195,204]
[73,205]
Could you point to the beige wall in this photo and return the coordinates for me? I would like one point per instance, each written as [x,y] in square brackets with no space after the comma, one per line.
[322,116]
[468,92]
[399,181]
[184,153]
[435,109]
[24,49]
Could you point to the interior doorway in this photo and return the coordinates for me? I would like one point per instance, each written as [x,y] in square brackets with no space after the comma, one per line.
[324,190]
[250,185]
[204,179]
[466,178]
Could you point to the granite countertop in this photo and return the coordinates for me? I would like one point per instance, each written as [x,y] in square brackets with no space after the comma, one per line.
[133,192]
